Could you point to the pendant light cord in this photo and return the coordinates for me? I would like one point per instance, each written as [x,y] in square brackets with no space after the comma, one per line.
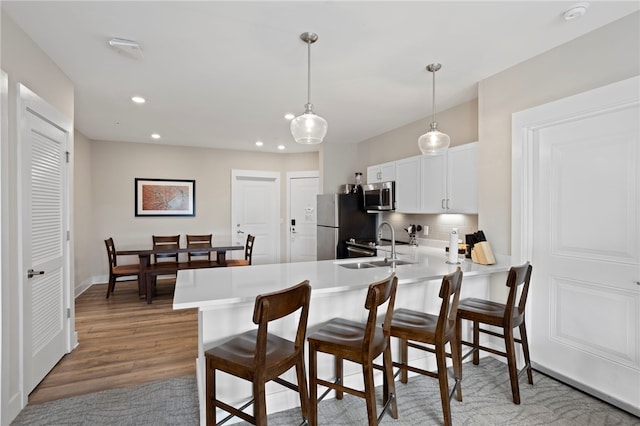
[433,99]
[308,72]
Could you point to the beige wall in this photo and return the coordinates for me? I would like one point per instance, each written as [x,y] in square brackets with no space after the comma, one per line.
[459,122]
[604,56]
[115,165]
[24,63]
[82,212]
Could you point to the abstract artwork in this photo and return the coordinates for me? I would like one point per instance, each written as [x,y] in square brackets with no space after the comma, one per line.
[165,197]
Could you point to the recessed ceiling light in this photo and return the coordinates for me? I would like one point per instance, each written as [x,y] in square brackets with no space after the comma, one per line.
[155,135]
[289,116]
[280,147]
[259,143]
[138,99]
[576,11]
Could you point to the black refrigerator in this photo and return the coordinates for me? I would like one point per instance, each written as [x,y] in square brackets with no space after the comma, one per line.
[341,217]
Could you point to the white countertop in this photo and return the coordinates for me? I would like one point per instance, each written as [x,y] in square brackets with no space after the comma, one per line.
[203,288]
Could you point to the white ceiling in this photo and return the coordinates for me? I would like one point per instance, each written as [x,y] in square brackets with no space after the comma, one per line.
[223,74]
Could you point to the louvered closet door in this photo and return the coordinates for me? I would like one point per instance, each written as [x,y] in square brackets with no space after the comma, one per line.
[44,179]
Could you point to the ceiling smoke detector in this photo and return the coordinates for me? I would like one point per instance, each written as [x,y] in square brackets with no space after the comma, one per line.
[128,47]
[575,12]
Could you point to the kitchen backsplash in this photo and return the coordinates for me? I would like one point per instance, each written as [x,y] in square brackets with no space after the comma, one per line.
[439,225]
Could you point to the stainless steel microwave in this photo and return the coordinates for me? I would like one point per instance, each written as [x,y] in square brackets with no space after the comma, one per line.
[379,196]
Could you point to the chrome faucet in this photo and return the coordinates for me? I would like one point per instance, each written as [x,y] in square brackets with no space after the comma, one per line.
[393,238]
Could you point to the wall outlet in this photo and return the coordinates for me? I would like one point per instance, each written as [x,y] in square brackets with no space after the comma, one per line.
[425,230]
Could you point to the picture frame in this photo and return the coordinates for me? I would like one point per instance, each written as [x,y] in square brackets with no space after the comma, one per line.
[165,197]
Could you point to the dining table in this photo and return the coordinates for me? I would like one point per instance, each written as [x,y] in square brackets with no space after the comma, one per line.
[148,270]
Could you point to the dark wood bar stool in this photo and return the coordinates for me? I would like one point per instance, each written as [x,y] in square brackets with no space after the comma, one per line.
[260,357]
[434,330]
[118,271]
[506,316]
[358,343]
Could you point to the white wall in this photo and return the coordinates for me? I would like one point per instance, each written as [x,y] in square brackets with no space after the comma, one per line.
[24,63]
[82,212]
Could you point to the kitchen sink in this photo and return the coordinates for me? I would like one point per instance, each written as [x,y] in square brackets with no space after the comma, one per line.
[357,265]
[375,264]
[390,263]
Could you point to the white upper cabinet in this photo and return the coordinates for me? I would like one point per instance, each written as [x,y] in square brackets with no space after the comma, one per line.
[450,180]
[462,178]
[408,185]
[434,183]
[381,172]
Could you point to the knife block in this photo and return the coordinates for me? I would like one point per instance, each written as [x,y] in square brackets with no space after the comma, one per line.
[482,253]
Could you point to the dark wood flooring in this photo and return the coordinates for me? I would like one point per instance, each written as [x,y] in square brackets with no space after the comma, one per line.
[123,341]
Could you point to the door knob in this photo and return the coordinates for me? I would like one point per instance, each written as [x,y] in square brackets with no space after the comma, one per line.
[31,273]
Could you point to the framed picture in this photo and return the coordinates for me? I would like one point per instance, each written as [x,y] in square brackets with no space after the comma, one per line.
[165,197]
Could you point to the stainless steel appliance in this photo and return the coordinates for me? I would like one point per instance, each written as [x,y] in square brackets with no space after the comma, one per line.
[340,218]
[379,196]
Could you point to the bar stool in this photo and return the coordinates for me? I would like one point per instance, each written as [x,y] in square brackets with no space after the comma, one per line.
[260,357]
[435,330]
[358,343]
[507,317]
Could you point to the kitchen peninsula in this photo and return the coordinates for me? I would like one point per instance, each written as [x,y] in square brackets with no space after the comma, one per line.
[225,298]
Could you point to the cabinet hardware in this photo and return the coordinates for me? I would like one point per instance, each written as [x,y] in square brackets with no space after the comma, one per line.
[448,204]
[442,204]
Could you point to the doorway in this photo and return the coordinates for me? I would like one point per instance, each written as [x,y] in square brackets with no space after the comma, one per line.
[255,210]
[576,216]
[302,189]
[46,317]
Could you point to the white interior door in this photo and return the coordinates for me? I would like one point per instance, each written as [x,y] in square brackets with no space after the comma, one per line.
[43,145]
[255,210]
[302,216]
[581,189]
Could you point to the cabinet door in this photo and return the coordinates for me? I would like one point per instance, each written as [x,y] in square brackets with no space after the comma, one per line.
[381,172]
[388,171]
[408,185]
[433,170]
[462,177]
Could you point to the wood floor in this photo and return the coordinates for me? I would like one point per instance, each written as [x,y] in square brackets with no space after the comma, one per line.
[123,342]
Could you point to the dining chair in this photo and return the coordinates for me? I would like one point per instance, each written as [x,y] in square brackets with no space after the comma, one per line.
[359,343]
[166,242]
[415,329]
[118,271]
[199,241]
[259,356]
[248,254]
[505,316]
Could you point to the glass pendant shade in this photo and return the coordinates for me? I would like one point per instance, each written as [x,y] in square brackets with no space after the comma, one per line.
[433,141]
[309,128]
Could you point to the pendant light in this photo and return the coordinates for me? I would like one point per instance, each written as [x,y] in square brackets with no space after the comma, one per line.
[434,141]
[308,128]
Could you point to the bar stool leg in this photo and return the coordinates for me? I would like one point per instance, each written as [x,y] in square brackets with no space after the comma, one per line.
[389,383]
[369,392]
[339,376]
[210,394]
[441,361]
[302,389]
[259,403]
[525,349]
[313,386]
[404,357]
[456,357]
[511,362]
[476,343]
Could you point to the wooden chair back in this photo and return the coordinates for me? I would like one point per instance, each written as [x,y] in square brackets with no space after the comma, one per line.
[199,241]
[276,305]
[450,295]
[248,248]
[166,242]
[518,282]
[111,253]
[379,293]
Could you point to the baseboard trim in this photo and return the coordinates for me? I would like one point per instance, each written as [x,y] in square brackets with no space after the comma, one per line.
[587,389]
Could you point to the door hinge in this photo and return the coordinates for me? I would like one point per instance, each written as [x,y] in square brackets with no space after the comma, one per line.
[68,312]
[67,155]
